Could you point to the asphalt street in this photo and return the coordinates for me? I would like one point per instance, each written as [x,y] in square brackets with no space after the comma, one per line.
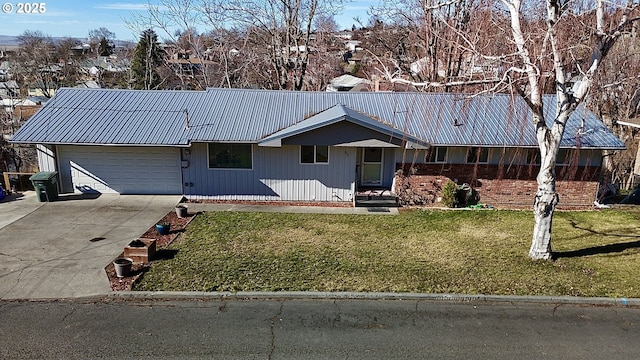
[314,329]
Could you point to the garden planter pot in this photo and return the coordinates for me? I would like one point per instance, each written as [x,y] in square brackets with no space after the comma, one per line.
[140,250]
[123,266]
[163,229]
[181,211]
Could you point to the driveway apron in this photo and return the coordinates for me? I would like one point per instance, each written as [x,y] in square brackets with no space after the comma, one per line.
[60,249]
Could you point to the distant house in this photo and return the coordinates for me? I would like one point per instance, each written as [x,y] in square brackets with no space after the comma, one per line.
[39,89]
[9,89]
[423,65]
[95,70]
[33,101]
[111,63]
[470,66]
[283,146]
[19,106]
[88,84]
[353,45]
[348,82]
[22,111]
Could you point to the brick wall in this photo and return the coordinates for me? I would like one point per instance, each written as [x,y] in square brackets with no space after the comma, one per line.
[496,185]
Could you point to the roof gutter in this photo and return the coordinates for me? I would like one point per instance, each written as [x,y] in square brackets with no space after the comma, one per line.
[97,144]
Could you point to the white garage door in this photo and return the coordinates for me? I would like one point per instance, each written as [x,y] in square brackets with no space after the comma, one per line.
[123,170]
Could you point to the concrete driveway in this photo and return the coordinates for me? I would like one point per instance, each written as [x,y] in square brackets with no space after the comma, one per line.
[59,249]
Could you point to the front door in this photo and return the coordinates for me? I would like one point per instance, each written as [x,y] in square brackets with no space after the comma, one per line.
[372,166]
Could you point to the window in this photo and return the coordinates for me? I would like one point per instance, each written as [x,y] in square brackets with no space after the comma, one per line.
[314,154]
[477,154]
[437,154]
[533,157]
[230,156]
[563,157]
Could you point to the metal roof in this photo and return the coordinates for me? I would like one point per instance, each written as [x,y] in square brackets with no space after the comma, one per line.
[138,117]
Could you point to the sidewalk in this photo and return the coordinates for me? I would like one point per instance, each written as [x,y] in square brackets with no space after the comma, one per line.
[201,207]
[17,206]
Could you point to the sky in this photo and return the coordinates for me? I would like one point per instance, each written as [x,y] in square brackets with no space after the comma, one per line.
[75,18]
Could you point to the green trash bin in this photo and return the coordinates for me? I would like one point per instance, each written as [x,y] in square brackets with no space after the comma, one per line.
[46,185]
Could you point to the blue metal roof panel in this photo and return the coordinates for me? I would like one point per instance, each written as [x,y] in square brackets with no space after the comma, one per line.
[119,117]
[99,116]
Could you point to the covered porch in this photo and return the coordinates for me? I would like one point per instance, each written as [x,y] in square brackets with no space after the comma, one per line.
[376,144]
[374,174]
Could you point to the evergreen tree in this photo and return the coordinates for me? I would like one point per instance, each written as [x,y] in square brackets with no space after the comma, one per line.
[105,48]
[146,59]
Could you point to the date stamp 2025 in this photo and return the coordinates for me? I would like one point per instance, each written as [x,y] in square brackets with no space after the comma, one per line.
[24,8]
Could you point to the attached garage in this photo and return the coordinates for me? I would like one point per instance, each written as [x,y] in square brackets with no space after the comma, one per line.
[122,170]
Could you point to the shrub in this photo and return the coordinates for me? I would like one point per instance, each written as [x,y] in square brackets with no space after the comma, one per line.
[449,192]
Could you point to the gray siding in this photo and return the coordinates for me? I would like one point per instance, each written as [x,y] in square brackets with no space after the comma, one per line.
[339,133]
[388,166]
[277,175]
[46,158]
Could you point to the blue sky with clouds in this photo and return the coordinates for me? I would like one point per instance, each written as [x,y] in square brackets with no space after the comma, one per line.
[75,18]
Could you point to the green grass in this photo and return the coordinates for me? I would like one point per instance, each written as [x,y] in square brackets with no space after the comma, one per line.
[470,252]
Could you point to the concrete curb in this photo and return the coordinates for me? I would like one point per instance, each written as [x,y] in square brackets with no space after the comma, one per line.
[301,295]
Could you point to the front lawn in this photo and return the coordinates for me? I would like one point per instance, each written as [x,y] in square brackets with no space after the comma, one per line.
[427,251]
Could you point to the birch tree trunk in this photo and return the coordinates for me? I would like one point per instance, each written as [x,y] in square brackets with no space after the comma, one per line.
[546,197]
[567,99]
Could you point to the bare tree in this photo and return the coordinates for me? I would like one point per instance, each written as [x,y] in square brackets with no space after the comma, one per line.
[280,30]
[568,95]
[325,62]
[434,41]
[197,60]
[68,62]
[36,62]
[283,27]
[546,42]
[616,97]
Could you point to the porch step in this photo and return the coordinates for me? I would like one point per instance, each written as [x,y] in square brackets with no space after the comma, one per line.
[377,203]
[379,198]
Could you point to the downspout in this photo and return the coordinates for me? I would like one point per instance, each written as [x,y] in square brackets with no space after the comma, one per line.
[54,150]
